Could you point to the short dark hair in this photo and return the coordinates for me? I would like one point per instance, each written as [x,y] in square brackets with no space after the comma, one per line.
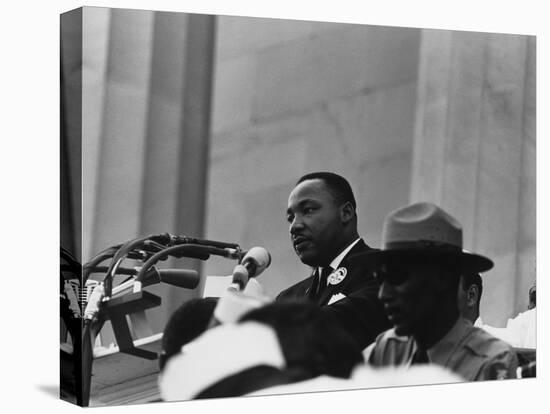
[186,323]
[337,185]
[312,341]
[470,279]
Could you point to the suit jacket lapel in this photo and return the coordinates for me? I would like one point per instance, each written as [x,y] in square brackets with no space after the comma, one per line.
[332,289]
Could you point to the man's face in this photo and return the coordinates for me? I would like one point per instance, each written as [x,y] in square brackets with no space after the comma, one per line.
[316,226]
[410,295]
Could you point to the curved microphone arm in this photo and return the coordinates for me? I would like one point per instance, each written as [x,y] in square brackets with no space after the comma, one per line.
[153,248]
[97,259]
[154,241]
[143,247]
[149,249]
[163,239]
[196,251]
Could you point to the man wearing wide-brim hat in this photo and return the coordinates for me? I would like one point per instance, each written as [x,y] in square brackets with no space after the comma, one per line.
[419,266]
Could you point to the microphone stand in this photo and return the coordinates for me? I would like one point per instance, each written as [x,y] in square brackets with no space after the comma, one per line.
[91,327]
[150,250]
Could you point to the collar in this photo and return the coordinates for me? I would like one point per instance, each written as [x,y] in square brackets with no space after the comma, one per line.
[338,259]
[442,351]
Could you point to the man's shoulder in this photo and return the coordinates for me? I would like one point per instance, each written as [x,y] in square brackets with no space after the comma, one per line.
[490,357]
[486,345]
[297,290]
[353,258]
[360,247]
[358,275]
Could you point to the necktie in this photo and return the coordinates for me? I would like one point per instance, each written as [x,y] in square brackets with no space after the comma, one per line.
[323,280]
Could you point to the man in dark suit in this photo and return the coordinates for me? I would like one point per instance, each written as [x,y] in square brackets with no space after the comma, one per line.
[323,229]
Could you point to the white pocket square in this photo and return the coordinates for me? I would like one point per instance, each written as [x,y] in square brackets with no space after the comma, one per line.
[336,298]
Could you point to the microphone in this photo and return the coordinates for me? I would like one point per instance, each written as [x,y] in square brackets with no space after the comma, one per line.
[254,262]
[184,278]
[234,303]
[242,295]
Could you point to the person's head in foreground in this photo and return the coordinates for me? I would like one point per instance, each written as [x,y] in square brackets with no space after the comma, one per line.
[312,341]
[188,321]
[272,345]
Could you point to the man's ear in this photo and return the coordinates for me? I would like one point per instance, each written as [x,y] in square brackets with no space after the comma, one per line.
[347,212]
[473,295]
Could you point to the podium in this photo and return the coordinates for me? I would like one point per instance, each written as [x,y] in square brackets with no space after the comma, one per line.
[119,378]
[130,375]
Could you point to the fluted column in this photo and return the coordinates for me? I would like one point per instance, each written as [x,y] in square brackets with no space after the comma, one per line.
[145,131]
[474,152]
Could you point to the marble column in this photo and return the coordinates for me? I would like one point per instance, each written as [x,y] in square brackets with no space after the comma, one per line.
[474,152]
[145,132]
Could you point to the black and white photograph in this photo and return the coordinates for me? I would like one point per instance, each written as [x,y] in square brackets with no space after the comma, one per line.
[262,207]
[255,206]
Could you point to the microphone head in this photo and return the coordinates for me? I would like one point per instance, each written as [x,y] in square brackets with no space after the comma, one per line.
[260,257]
[184,278]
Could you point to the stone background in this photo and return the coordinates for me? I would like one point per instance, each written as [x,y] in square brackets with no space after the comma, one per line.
[405,114]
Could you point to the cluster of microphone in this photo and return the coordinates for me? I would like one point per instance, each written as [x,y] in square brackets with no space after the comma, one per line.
[253,263]
[95,300]
[151,250]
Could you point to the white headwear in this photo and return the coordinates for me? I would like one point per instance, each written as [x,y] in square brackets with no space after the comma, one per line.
[218,353]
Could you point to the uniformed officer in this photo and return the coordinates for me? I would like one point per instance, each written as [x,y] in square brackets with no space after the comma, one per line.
[419,267]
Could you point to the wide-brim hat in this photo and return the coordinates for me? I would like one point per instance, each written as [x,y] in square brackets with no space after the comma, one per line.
[423,232]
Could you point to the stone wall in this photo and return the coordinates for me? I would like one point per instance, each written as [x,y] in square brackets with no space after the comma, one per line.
[291,97]
[405,114]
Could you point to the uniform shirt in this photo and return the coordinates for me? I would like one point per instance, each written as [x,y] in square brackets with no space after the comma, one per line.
[466,350]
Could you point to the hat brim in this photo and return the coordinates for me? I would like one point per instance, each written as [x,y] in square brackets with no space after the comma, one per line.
[463,260]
